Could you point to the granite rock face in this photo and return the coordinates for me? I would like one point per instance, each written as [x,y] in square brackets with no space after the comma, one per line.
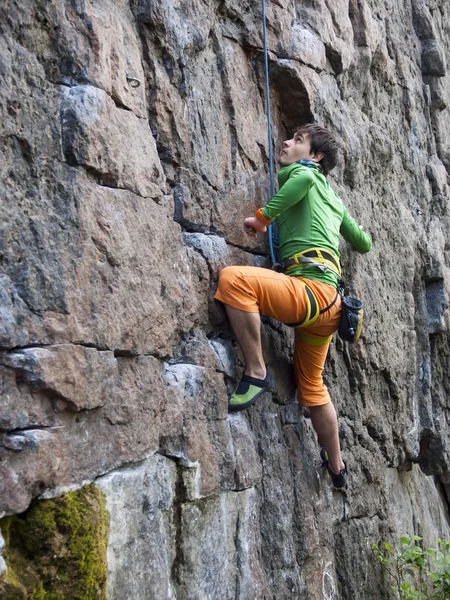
[133,145]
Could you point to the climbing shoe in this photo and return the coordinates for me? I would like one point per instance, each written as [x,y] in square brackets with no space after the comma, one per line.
[248,391]
[339,480]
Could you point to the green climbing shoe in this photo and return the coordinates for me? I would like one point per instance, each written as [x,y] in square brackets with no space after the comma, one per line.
[248,391]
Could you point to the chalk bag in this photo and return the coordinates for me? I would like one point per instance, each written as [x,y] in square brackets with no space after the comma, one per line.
[351,319]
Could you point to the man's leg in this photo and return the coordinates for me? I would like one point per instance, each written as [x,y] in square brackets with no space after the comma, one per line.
[247,329]
[309,359]
[247,292]
[325,423]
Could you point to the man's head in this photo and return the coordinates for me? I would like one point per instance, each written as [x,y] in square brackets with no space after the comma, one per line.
[311,142]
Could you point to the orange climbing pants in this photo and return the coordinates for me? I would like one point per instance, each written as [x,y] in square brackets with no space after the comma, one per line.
[284,298]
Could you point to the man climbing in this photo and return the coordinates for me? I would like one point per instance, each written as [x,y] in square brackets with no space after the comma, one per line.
[309,216]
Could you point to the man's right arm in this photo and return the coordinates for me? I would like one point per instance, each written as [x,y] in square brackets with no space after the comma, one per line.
[352,233]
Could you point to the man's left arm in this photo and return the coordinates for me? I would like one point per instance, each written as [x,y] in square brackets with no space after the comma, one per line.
[295,188]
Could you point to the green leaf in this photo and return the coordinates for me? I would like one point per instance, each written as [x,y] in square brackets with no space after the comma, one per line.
[404,540]
[404,585]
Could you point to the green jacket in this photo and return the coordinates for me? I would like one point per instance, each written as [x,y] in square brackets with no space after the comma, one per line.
[309,214]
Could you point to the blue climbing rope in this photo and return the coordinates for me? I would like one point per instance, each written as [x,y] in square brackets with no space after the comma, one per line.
[273,238]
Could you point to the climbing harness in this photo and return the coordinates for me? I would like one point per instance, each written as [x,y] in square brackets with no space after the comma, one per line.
[273,237]
[316,257]
[312,308]
[350,325]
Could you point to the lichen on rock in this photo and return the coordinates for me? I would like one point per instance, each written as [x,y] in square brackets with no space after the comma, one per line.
[56,550]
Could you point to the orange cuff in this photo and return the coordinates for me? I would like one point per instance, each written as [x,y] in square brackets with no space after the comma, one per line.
[262,218]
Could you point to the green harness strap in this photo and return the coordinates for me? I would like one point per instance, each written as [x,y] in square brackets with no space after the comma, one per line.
[312,308]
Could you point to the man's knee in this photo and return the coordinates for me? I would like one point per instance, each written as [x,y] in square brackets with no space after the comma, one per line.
[226,276]
[313,395]
[318,409]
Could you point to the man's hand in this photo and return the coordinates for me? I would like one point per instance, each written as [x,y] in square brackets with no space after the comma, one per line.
[252,226]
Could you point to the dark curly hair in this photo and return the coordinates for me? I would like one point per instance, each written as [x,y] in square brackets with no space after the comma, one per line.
[321,141]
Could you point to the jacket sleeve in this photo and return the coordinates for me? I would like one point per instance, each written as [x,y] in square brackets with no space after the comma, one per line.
[352,233]
[295,188]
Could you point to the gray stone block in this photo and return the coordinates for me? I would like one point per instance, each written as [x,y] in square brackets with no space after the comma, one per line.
[433,59]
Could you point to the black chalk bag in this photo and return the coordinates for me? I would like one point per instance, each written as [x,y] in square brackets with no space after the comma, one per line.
[351,319]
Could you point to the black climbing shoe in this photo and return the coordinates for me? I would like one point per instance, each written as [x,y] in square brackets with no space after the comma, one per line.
[339,480]
[248,391]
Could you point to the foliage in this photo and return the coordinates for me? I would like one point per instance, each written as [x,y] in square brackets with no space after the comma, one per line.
[417,572]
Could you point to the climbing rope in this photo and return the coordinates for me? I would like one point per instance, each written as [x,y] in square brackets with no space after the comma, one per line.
[273,238]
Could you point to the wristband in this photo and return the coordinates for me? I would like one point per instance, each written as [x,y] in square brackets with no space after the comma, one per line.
[259,215]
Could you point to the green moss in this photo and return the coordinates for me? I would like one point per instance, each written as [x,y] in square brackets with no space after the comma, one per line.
[56,550]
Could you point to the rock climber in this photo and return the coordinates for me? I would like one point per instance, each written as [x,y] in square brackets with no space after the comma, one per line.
[310,216]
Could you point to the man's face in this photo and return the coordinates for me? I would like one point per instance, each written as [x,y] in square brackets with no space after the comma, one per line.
[299,148]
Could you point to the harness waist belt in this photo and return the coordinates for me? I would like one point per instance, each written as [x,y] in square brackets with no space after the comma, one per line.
[323,257]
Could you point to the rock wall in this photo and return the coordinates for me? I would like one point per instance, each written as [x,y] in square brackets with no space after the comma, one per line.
[134,144]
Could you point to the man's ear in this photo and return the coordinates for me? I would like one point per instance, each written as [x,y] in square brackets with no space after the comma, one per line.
[317,157]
